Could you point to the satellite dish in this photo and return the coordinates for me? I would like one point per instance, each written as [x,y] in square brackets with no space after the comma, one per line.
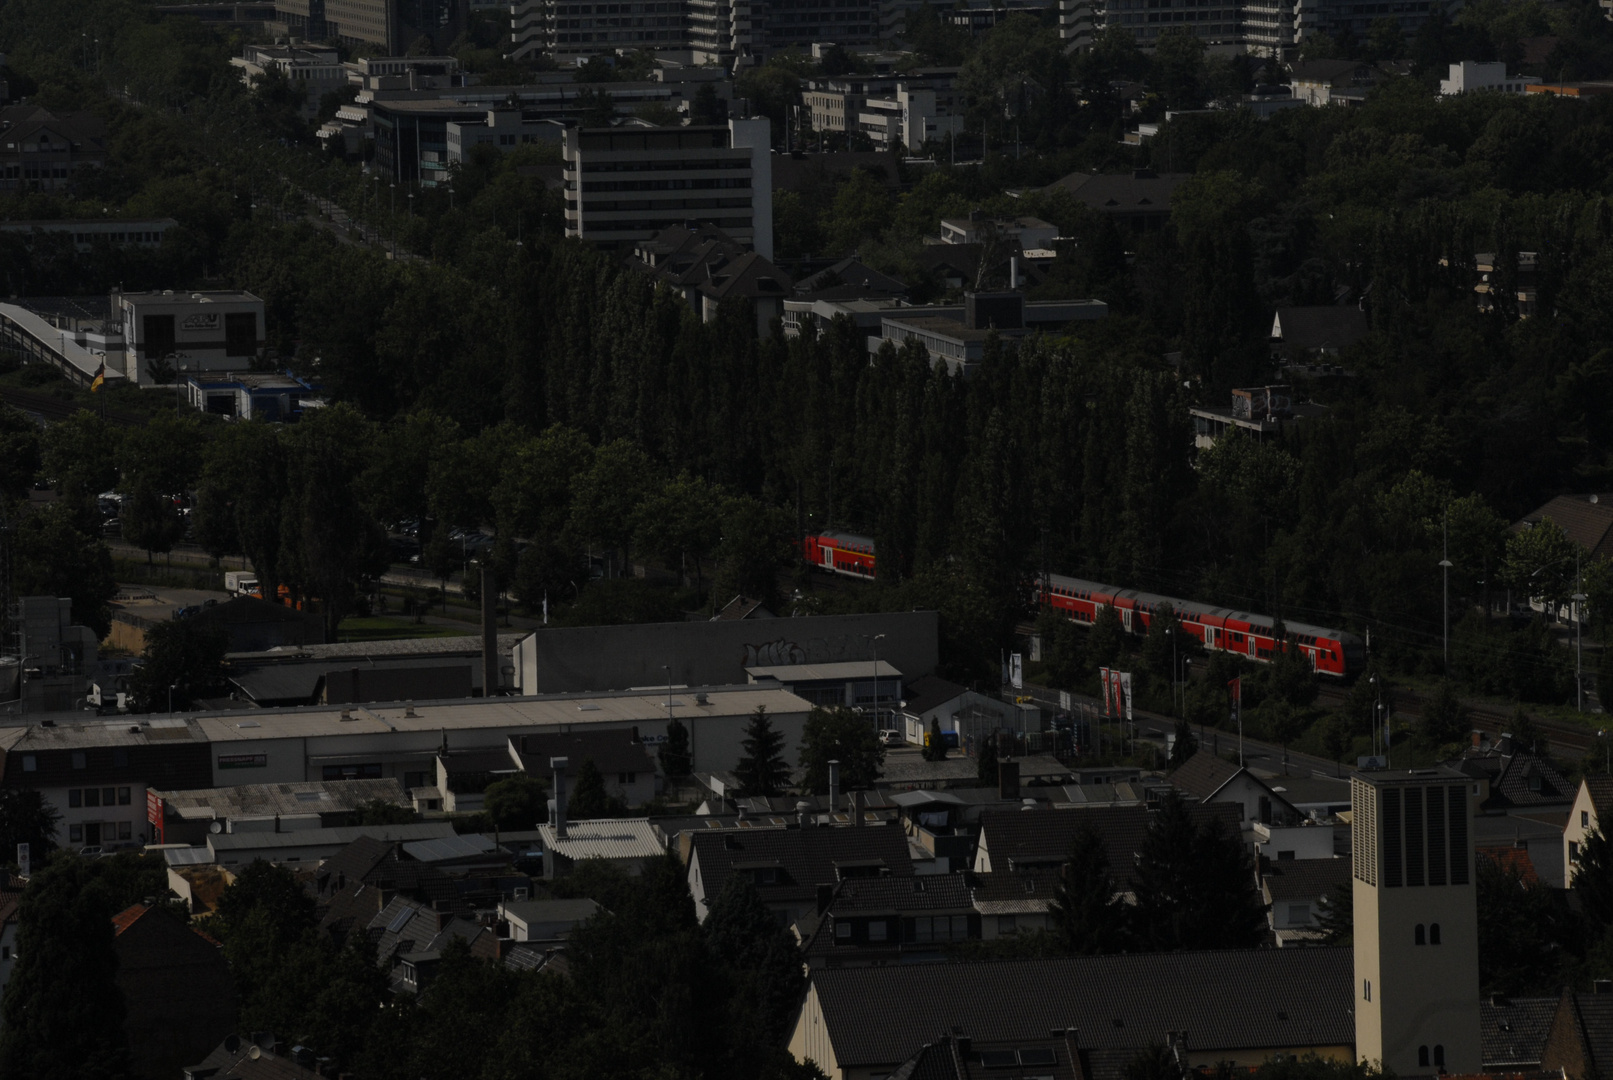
[254,1052]
[215,827]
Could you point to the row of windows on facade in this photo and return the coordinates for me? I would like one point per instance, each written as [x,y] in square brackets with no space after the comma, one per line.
[595,206]
[35,172]
[107,796]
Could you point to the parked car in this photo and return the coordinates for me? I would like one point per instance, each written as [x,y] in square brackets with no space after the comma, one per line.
[890,737]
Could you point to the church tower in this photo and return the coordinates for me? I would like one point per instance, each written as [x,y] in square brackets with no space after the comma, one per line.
[1416,922]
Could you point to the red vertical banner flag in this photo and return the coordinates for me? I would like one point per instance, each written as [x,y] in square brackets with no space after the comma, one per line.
[1103,685]
[1237,698]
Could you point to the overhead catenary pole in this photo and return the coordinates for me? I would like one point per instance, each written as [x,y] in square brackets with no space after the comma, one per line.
[1445,568]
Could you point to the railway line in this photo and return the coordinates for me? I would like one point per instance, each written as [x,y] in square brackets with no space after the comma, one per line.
[52,408]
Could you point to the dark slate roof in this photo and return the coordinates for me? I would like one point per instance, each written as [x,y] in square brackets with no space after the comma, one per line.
[1018,1059]
[239,1064]
[610,751]
[1305,879]
[750,276]
[1203,774]
[1589,524]
[1327,327]
[1024,892]
[1140,191]
[1268,998]
[1021,839]
[1512,1031]
[807,857]
[1517,780]
[903,895]
[353,905]
[1600,788]
[1593,1015]
[849,279]
[931,691]
[355,862]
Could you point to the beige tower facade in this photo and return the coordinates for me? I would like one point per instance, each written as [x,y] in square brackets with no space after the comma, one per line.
[1416,922]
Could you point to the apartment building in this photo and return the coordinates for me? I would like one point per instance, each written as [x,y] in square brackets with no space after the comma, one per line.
[45,151]
[395,25]
[1260,27]
[888,110]
[629,182]
[316,71]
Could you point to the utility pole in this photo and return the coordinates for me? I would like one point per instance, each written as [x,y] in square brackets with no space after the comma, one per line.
[1445,567]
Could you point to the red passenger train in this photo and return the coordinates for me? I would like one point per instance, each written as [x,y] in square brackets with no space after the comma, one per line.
[1331,652]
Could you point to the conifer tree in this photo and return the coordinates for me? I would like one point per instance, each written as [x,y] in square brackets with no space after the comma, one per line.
[762,770]
[1087,916]
[1185,744]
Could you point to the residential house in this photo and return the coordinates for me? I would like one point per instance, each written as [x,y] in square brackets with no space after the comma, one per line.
[1238,1008]
[545,922]
[849,279]
[1591,807]
[1579,1043]
[1019,840]
[464,775]
[178,993]
[789,867]
[1305,333]
[1012,903]
[240,1058]
[1513,780]
[706,266]
[884,920]
[626,843]
[1139,200]
[1328,82]
[1587,519]
[410,938]
[1258,410]
[41,150]
[1497,279]
[1296,893]
[623,760]
[954,707]
[1210,778]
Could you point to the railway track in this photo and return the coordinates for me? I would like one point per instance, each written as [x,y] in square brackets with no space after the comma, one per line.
[1488,718]
[55,409]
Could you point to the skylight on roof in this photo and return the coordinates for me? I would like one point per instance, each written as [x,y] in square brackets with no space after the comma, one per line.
[400,920]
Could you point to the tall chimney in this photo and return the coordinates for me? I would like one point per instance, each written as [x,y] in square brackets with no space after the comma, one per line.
[854,801]
[558,764]
[834,786]
[489,633]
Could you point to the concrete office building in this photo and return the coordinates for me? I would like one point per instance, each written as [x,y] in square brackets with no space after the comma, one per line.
[628,183]
[316,72]
[596,658]
[169,334]
[1416,922]
[395,25]
[87,233]
[565,29]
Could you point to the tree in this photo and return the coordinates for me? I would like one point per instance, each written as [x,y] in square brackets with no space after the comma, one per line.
[79,455]
[935,746]
[836,733]
[986,760]
[150,518]
[1336,917]
[1194,885]
[1184,746]
[183,654]
[62,1006]
[674,753]
[762,770]
[745,936]
[587,797]
[26,818]
[1106,639]
[1445,717]
[380,812]
[1540,563]
[1156,1061]
[19,452]
[1527,933]
[54,557]
[519,802]
[1086,912]
[1592,881]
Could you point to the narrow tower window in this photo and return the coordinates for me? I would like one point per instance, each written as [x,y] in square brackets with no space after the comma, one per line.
[1417,937]
[1422,1056]
[1433,933]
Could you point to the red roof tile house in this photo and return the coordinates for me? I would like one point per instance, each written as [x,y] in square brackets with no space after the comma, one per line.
[177,990]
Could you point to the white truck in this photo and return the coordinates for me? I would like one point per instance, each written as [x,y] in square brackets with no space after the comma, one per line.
[240,583]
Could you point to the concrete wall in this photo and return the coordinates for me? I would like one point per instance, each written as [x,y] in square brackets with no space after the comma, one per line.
[572,659]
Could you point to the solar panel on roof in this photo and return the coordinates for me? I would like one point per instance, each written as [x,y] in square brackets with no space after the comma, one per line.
[400,920]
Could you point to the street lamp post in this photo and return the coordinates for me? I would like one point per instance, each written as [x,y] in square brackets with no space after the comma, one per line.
[874,648]
[1579,638]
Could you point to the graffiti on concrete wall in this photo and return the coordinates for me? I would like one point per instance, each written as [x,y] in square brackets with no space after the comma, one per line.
[817,651]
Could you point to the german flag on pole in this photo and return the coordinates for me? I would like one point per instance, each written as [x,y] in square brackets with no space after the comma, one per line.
[100,377]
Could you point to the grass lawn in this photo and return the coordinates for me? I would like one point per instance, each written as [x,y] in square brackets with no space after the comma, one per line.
[385,628]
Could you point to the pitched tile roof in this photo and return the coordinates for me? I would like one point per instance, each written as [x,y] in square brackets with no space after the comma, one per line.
[1026,839]
[127,918]
[807,857]
[1268,998]
[1589,524]
[1138,191]
[1203,774]
[1304,879]
[1024,892]
[1017,1059]
[1511,859]
[1512,1031]
[1600,788]
[233,1060]
[903,895]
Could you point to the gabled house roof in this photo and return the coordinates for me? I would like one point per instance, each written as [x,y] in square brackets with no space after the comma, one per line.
[751,276]
[1303,879]
[1265,998]
[804,858]
[849,279]
[1587,519]
[1325,328]
[1580,1041]
[1029,839]
[1512,1031]
[1600,788]
[948,1058]
[931,692]
[1205,773]
[1139,191]
[1518,780]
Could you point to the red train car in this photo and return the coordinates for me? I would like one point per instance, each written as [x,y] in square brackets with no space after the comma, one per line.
[1330,652]
[841,553]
